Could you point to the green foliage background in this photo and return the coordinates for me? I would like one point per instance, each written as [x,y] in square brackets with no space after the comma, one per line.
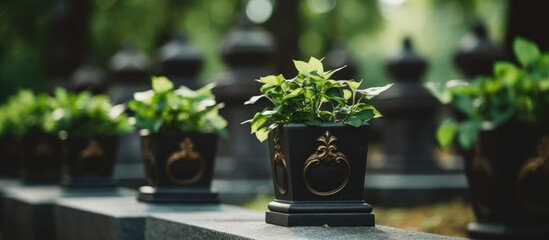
[371,32]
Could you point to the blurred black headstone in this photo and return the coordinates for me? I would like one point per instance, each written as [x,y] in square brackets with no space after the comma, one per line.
[88,77]
[129,74]
[476,54]
[339,57]
[408,113]
[180,61]
[408,172]
[248,51]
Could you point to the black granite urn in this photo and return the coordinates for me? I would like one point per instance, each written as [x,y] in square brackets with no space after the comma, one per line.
[508,174]
[318,174]
[40,159]
[178,167]
[89,161]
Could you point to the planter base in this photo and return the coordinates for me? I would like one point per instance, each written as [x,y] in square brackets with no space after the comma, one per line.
[88,182]
[320,214]
[500,231]
[176,195]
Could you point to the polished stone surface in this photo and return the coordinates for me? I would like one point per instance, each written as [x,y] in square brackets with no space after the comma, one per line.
[251,225]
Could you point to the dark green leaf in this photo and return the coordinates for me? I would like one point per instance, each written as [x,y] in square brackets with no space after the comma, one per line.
[365,115]
[354,121]
[468,133]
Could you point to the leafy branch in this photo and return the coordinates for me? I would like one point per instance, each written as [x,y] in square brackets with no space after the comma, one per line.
[513,93]
[164,109]
[312,98]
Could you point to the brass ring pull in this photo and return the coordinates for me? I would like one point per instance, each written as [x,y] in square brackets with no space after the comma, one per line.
[326,153]
[279,160]
[186,154]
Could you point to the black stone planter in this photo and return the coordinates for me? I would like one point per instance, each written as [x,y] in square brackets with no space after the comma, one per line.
[89,161]
[318,173]
[9,160]
[508,174]
[40,159]
[179,167]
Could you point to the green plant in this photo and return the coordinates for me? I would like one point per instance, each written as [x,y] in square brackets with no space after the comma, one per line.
[24,113]
[83,114]
[312,98]
[514,93]
[166,109]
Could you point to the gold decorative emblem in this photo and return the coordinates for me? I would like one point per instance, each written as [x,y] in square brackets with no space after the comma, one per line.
[43,149]
[327,153]
[281,182]
[538,165]
[483,180]
[92,155]
[480,163]
[185,154]
[150,161]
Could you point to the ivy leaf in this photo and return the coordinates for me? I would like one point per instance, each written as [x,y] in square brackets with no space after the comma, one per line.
[262,134]
[253,99]
[329,74]
[354,121]
[258,121]
[468,133]
[316,64]
[347,94]
[303,67]
[446,133]
[506,71]
[439,91]
[526,51]
[273,80]
[365,115]
[293,94]
[354,85]
[144,97]
[334,93]
[161,84]
[369,93]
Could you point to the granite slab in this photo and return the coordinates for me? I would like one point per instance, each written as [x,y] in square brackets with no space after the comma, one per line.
[251,225]
[118,218]
[28,210]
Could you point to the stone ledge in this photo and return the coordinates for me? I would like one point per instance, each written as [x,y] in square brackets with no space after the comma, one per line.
[251,225]
[28,210]
[118,218]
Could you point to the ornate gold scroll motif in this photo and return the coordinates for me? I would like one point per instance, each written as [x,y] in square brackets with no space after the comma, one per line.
[280,161]
[92,152]
[537,166]
[186,154]
[326,153]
